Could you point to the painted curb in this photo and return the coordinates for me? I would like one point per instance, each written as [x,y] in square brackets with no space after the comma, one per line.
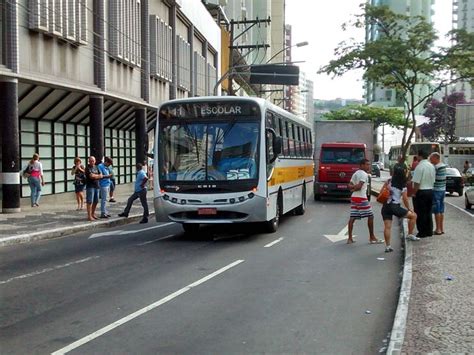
[64,231]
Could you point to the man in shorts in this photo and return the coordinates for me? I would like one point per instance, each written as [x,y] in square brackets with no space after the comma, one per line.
[93,176]
[439,192]
[360,206]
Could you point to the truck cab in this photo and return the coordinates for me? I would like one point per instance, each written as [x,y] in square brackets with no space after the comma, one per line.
[337,163]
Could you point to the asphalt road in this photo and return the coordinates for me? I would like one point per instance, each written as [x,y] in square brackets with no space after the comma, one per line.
[149,289]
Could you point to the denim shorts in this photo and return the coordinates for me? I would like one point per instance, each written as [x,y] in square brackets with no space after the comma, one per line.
[438,201]
[92,195]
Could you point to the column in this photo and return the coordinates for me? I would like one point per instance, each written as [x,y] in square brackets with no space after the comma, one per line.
[10,140]
[140,135]
[96,114]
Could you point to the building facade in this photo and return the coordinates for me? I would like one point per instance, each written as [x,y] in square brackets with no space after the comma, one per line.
[463,18]
[85,77]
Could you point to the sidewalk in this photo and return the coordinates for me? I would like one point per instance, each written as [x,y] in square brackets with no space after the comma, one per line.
[57,217]
[435,311]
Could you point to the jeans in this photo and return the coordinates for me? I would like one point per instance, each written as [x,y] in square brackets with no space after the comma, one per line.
[423,204]
[92,195]
[142,196]
[35,187]
[104,194]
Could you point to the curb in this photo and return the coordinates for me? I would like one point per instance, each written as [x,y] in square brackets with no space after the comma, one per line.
[397,335]
[63,231]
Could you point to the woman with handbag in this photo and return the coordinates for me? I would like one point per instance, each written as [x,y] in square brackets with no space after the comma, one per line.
[397,189]
[79,172]
[34,174]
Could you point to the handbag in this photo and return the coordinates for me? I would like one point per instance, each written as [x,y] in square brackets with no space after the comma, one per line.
[384,194]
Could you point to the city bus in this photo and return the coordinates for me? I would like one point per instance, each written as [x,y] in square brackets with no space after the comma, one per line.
[413,148]
[230,160]
[455,154]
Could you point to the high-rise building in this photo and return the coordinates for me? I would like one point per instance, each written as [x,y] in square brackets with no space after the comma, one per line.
[302,98]
[463,18]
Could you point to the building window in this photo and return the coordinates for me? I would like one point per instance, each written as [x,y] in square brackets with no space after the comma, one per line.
[184,64]
[200,74]
[120,146]
[65,19]
[125,31]
[160,49]
[211,78]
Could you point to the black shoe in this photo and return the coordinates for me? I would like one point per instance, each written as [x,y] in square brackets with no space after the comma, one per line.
[108,215]
[144,220]
[122,214]
[104,216]
[112,200]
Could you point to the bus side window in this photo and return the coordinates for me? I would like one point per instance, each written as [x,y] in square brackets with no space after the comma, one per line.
[300,145]
[280,127]
[287,146]
[292,140]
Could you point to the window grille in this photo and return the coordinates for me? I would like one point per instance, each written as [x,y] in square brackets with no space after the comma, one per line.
[200,74]
[211,78]
[184,64]
[160,49]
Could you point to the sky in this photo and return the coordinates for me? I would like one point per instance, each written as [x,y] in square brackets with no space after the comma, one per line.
[319,22]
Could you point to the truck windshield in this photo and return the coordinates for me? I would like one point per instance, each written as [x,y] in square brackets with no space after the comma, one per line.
[209,151]
[342,155]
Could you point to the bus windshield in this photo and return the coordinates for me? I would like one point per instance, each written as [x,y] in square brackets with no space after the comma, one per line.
[330,155]
[208,151]
[426,147]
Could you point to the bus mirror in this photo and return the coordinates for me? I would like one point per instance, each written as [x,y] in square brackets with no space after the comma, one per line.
[277,146]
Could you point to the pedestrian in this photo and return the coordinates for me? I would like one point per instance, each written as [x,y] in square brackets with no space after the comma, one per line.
[466,167]
[112,184]
[92,188]
[104,184]
[397,186]
[415,163]
[360,206]
[423,182]
[439,192]
[79,172]
[34,174]
[139,192]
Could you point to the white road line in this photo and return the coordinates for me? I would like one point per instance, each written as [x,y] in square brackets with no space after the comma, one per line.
[273,243]
[460,209]
[57,267]
[144,310]
[340,236]
[309,220]
[155,240]
[124,232]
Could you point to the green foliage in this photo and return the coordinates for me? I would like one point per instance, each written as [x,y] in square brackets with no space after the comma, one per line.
[400,55]
[378,115]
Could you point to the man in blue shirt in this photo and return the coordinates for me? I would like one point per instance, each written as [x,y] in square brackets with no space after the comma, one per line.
[140,192]
[104,185]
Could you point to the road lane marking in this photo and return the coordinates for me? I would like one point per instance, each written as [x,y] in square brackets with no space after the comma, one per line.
[125,232]
[460,209]
[339,236]
[309,220]
[273,243]
[142,311]
[155,240]
[49,269]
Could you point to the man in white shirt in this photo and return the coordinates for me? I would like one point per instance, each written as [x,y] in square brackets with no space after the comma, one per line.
[360,206]
[423,181]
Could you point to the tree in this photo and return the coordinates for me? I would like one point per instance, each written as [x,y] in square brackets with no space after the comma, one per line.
[442,116]
[378,115]
[402,56]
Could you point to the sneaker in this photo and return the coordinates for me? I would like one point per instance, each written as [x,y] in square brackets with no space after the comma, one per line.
[122,214]
[388,249]
[144,220]
[103,216]
[412,238]
[108,215]
[112,200]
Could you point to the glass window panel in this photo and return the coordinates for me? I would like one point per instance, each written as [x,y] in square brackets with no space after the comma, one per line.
[70,162]
[71,140]
[27,138]
[59,127]
[47,189]
[81,130]
[70,187]
[45,152]
[82,153]
[27,151]
[115,152]
[58,139]
[127,135]
[47,176]
[132,135]
[45,139]
[58,175]
[44,126]
[81,141]
[70,129]
[59,187]
[28,125]
[47,164]
[59,152]
[71,152]
[59,163]
[120,134]
[25,190]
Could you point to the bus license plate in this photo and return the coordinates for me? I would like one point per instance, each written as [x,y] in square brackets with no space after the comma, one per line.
[207,211]
[342,186]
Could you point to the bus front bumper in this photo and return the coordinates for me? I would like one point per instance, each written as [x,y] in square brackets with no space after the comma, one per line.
[178,209]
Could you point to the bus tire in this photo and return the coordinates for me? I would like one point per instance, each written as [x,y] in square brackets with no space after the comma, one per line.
[300,210]
[271,226]
[190,228]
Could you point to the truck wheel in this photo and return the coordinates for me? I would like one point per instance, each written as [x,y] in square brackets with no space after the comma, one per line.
[299,211]
[317,197]
[466,202]
[271,226]
[460,191]
[190,228]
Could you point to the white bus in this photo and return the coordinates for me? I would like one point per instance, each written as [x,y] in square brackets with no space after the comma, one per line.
[455,154]
[414,147]
[230,160]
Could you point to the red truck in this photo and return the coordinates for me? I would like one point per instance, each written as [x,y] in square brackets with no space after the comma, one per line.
[340,146]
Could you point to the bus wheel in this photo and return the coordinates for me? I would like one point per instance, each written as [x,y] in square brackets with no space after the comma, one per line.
[271,226]
[299,211]
[190,228]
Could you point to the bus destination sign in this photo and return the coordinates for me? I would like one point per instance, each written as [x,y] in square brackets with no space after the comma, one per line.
[198,110]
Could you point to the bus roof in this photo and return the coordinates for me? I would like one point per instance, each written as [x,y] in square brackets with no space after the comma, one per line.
[343,145]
